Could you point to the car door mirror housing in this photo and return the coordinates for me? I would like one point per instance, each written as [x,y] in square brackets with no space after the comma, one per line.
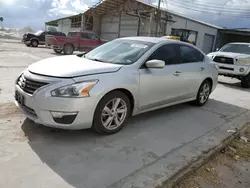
[217,49]
[155,63]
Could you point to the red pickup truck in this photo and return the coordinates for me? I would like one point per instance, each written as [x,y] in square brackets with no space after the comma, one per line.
[75,41]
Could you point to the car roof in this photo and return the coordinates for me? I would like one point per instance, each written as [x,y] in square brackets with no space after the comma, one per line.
[152,39]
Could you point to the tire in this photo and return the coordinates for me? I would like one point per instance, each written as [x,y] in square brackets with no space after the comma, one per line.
[203,93]
[245,82]
[114,121]
[57,51]
[34,43]
[68,49]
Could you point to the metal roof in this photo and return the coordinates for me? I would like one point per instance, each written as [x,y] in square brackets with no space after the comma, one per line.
[105,6]
[235,32]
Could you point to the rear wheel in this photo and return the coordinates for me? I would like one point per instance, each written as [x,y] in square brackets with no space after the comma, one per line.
[68,49]
[245,82]
[203,93]
[111,113]
[34,43]
[58,51]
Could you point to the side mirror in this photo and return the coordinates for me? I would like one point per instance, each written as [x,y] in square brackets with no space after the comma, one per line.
[217,49]
[155,63]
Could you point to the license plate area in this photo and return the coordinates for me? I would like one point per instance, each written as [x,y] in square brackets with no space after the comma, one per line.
[20,98]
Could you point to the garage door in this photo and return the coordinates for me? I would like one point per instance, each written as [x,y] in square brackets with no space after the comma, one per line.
[208,43]
[109,27]
[129,26]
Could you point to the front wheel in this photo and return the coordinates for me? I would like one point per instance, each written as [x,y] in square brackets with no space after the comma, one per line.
[203,93]
[245,82]
[111,113]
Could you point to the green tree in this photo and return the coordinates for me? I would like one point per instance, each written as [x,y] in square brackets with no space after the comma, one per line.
[1,20]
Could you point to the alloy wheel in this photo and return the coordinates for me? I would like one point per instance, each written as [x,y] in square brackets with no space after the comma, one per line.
[204,93]
[114,113]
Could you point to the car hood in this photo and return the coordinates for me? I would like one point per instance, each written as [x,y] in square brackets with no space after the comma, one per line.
[71,66]
[229,54]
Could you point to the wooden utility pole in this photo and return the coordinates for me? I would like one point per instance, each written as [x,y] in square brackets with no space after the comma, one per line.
[158,17]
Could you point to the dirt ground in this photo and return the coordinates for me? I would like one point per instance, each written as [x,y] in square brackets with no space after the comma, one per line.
[229,169]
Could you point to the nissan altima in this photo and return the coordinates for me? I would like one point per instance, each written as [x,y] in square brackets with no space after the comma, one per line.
[101,89]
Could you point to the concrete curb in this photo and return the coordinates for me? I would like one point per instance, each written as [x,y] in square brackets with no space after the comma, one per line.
[195,165]
[176,165]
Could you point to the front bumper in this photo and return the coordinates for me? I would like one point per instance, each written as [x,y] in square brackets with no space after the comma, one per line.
[234,70]
[40,106]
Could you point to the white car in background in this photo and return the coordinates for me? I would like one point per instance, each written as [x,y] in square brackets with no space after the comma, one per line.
[233,60]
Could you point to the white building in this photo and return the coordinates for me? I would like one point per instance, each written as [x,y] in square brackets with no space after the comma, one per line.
[112,19]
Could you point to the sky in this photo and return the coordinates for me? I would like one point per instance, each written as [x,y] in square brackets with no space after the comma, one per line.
[34,13]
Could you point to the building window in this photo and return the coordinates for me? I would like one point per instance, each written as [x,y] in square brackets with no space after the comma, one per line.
[76,22]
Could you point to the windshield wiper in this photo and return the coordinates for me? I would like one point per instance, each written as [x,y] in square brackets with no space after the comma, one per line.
[99,60]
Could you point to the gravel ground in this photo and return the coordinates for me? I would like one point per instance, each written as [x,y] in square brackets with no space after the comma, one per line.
[229,169]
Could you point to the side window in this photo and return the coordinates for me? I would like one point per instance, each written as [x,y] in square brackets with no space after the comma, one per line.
[72,34]
[92,37]
[84,36]
[190,55]
[167,53]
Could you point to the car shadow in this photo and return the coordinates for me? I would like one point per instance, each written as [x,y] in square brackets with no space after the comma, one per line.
[236,85]
[81,157]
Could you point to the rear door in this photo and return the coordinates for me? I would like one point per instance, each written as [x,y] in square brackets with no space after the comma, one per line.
[191,67]
[85,42]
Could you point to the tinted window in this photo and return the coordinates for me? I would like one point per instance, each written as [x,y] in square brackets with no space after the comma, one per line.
[189,55]
[84,36]
[166,53]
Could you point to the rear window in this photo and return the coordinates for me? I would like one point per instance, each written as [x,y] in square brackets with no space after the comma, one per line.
[72,34]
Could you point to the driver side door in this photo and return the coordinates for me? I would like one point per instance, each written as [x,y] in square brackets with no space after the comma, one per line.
[163,85]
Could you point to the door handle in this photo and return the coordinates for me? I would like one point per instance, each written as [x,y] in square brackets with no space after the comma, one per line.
[202,68]
[177,73]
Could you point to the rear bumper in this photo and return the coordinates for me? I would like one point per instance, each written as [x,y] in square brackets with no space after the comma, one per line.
[56,47]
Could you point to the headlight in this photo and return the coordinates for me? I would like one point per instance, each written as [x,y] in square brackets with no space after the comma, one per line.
[75,90]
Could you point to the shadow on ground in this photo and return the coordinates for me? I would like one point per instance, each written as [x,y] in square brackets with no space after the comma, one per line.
[236,85]
[86,159]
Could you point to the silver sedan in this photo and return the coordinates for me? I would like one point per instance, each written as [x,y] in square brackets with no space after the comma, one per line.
[101,89]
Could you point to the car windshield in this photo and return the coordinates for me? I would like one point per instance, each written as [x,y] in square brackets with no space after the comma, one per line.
[38,33]
[236,48]
[119,51]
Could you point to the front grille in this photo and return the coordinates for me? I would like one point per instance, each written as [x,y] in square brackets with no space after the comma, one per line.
[29,86]
[225,60]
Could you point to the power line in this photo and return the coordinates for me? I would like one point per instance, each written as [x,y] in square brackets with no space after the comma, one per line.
[216,6]
[208,9]
[218,12]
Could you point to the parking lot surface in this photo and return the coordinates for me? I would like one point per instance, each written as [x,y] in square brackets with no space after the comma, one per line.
[33,155]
